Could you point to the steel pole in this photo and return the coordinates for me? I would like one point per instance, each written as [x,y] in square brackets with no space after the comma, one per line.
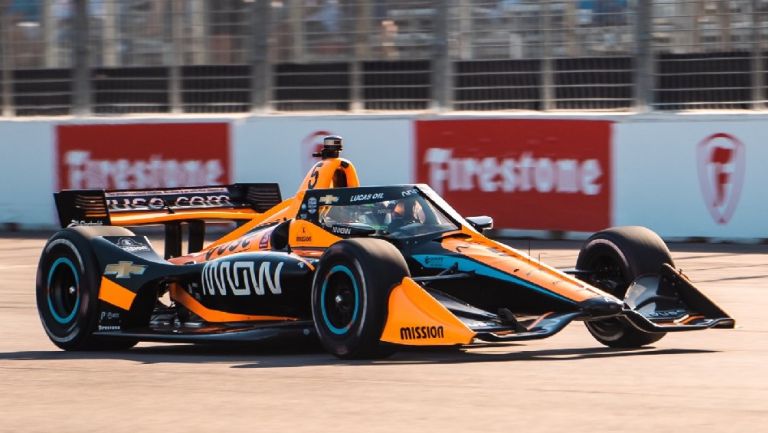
[177,56]
[758,73]
[643,89]
[81,85]
[441,65]
[547,63]
[6,60]
[261,69]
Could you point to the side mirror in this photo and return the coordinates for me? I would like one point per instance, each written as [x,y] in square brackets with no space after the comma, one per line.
[278,239]
[480,223]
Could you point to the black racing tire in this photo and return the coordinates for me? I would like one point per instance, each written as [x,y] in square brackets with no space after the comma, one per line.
[350,295]
[67,289]
[615,257]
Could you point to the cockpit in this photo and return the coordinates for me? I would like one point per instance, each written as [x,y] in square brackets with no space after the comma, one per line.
[396,212]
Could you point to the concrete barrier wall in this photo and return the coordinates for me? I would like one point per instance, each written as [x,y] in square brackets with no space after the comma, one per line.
[279,149]
[683,176]
[690,178]
[27,170]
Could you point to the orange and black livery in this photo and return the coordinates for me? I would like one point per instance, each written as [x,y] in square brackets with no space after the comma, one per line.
[366,269]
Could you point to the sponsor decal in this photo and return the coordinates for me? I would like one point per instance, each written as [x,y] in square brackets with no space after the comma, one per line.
[341,230]
[236,245]
[134,156]
[73,223]
[497,251]
[304,236]
[721,161]
[366,197]
[409,192]
[178,199]
[131,245]
[264,241]
[433,261]
[124,269]
[421,332]
[312,205]
[328,199]
[667,314]
[109,321]
[241,278]
[527,174]
[109,315]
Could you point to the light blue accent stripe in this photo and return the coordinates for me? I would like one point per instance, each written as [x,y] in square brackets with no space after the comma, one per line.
[468,265]
[335,330]
[63,320]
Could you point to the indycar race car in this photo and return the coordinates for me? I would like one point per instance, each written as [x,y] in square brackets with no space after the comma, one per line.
[365,269]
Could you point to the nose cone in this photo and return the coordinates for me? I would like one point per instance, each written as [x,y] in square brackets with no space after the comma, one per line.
[602,306]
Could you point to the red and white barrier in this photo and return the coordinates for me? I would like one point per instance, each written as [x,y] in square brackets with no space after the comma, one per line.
[693,178]
[683,176]
[27,170]
[132,156]
[279,149]
[527,174]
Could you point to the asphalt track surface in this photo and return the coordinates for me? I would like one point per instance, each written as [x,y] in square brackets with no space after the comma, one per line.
[708,381]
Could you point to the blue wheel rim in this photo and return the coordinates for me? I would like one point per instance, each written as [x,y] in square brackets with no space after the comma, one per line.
[331,327]
[56,316]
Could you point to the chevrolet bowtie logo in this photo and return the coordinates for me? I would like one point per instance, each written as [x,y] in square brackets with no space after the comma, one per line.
[328,199]
[124,269]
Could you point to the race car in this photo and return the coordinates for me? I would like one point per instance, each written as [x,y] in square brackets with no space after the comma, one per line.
[366,270]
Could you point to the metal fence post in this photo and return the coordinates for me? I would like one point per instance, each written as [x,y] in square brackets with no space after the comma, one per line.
[441,64]
[199,30]
[464,38]
[296,23]
[261,69]
[109,40]
[643,56]
[6,60]
[360,40]
[725,24]
[48,26]
[547,63]
[758,74]
[177,56]
[81,68]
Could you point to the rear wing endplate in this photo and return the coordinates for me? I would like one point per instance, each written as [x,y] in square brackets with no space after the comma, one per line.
[99,207]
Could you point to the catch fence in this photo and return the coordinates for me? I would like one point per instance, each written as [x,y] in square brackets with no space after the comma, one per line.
[107,57]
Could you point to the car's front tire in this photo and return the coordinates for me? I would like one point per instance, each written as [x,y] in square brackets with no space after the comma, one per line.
[614,258]
[350,292]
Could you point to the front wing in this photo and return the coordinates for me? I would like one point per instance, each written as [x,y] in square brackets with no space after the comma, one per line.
[666,302]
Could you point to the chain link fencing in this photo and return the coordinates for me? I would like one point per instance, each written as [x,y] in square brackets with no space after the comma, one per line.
[107,57]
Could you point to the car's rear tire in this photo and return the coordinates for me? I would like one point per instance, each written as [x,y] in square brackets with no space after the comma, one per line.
[350,293]
[67,289]
[614,258]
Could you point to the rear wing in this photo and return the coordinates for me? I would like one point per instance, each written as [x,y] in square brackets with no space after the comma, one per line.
[156,206]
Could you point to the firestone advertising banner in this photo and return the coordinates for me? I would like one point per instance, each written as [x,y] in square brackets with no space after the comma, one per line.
[526,174]
[694,178]
[131,156]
